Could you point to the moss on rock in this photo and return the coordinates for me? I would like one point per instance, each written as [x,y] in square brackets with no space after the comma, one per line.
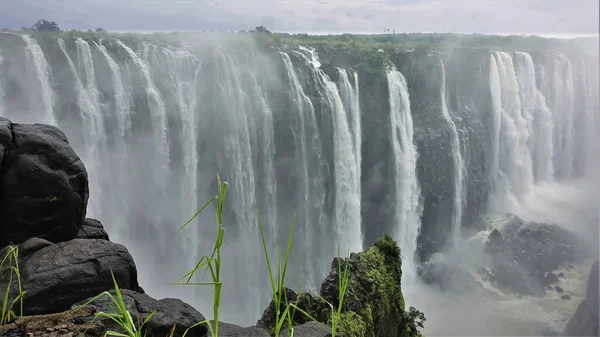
[373,304]
[352,324]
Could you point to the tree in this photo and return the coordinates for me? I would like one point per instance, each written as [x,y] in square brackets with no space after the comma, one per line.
[100,30]
[45,25]
[261,29]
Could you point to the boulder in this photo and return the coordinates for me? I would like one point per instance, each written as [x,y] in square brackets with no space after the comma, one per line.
[92,229]
[169,311]
[43,184]
[231,330]
[311,329]
[585,320]
[525,254]
[56,276]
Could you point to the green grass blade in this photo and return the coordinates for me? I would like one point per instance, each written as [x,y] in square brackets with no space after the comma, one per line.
[262,234]
[289,248]
[195,215]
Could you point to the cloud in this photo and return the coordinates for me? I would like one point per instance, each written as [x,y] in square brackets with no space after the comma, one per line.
[484,16]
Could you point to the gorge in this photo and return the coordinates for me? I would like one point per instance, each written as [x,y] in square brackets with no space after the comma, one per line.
[431,144]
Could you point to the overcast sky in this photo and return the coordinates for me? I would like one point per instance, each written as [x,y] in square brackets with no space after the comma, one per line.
[460,16]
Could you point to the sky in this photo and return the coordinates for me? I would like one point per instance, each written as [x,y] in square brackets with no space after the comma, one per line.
[578,17]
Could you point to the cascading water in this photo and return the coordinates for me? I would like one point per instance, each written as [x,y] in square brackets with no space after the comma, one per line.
[347,170]
[350,97]
[512,175]
[157,111]
[92,116]
[311,194]
[459,166]
[35,56]
[408,208]
[563,109]
[533,143]
[592,123]
[540,123]
[121,104]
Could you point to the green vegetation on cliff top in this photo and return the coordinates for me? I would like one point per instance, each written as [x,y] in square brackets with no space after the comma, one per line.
[388,42]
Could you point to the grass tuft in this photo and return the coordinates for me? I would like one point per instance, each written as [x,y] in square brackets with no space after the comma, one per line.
[278,285]
[11,262]
[210,263]
[343,281]
[120,315]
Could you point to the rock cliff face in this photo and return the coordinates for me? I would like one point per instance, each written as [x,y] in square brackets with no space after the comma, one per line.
[585,320]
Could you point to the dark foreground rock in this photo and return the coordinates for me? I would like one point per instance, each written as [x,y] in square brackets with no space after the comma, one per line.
[169,311]
[311,329]
[231,330]
[57,275]
[43,184]
[585,320]
[373,304]
[66,323]
[92,229]
[526,253]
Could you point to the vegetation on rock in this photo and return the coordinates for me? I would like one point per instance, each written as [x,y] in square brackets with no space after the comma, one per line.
[373,304]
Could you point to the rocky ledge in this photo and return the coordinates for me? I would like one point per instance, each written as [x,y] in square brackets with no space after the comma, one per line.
[525,255]
[65,259]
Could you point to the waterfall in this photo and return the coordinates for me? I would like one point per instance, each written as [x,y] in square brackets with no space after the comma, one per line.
[563,109]
[351,98]
[511,172]
[459,166]
[35,57]
[496,123]
[592,123]
[121,105]
[540,123]
[307,141]
[93,122]
[265,133]
[344,106]
[408,209]
[347,173]
[157,111]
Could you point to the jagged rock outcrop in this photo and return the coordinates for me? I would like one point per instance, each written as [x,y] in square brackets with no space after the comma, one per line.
[92,229]
[43,184]
[169,311]
[57,275]
[585,320]
[526,253]
[373,303]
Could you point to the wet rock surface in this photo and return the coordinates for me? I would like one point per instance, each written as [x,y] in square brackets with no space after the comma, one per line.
[585,320]
[525,254]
